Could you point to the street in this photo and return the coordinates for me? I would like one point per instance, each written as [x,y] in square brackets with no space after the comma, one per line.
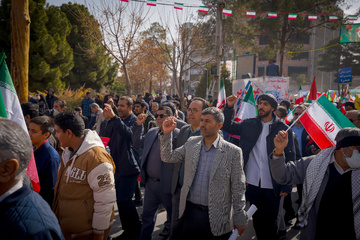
[292,234]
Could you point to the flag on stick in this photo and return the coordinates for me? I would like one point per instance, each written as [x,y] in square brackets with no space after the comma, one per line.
[313,92]
[300,98]
[222,95]
[357,102]
[322,120]
[10,108]
[290,117]
[248,106]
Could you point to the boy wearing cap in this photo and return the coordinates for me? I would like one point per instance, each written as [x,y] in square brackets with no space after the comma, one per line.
[257,142]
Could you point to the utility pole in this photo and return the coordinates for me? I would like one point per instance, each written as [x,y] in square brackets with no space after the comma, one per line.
[219,42]
[20,44]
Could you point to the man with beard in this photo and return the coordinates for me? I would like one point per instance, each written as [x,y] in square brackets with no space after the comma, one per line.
[257,142]
[127,169]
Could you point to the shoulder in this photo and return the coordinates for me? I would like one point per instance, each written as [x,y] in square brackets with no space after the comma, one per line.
[227,146]
[194,139]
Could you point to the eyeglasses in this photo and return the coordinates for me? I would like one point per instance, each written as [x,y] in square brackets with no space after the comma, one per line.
[193,110]
[160,115]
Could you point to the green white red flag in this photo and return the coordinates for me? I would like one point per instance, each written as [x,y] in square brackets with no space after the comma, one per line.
[151,3]
[299,98]
[322,120]
[203,9]
[272,14]
[179,6]
[312,17]
[250,13]
[10,108]
[333,18]
[292,16]
[227,11]
[248,106]
[290,117]
[222,95]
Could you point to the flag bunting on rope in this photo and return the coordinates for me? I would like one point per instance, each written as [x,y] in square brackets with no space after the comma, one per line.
[179,6]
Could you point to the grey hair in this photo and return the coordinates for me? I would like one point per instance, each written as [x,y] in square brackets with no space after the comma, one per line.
[217,113]
[347,132]
[93,105]
[14,143]
[302,106]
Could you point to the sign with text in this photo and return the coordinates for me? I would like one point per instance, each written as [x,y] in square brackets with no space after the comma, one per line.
[277,86]
[345,75]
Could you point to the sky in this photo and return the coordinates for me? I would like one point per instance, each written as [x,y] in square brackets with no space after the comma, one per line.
[156,13]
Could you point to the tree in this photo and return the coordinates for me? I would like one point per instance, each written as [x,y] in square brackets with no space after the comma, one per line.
[119,24]
[340,56]
[51,57]
[92,64]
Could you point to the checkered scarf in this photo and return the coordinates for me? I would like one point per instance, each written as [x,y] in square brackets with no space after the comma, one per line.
[314,176]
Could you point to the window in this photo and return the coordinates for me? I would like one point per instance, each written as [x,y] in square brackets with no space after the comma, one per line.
[297,70]
[300,57]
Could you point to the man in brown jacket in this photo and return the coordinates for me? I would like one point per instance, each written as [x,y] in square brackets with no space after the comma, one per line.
[84,192]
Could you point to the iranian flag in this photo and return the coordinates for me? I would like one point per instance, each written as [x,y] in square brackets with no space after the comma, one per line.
[313,95]
[248,106]
[10,108]
[151,3]
[290,117]
[342,109]
[299,98]
[272,15]
[204,9]
[222,95]
[250,13]
[312,17]
[227,11]
[333,18]
[322,120]
[125,1]
[353,17]
[292,16]
[179,6]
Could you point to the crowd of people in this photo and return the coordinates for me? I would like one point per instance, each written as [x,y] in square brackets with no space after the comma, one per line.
[188,162]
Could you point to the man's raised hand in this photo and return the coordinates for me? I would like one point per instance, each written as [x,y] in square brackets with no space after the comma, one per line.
[168,125]
[231,100]
[141,119]
[108,112]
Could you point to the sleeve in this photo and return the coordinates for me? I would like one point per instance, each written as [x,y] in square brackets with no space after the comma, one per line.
[229,125]
[238,189]
[167,154]
[101,181]
[289,173]
[137,136]
[121,128]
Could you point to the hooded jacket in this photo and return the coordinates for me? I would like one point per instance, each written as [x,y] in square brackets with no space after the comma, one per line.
[84,192]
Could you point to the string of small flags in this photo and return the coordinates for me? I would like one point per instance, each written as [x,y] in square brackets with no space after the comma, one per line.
[228,11]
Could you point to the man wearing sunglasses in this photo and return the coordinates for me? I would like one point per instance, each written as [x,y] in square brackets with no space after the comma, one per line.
[155,174]
[331,179]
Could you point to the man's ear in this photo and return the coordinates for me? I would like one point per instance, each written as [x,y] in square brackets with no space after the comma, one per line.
[219,125]
[8,169]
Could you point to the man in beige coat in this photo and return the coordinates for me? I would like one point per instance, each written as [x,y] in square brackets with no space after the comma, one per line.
[214,180]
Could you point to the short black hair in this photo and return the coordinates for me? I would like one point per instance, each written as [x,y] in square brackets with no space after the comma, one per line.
[88,93]
[128,99]
[287,103]
[45,122]
[171,106]
[283,111]
[30,109]
[141,102]
[205,104]
[351,104]
[72,121]
[167,109]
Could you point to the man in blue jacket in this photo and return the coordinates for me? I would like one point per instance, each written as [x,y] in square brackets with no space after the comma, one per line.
[23,213]
[46,157]
[127,169]
[257,142]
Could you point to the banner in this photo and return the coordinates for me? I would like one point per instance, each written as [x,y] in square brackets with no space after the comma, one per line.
[278,86]
[350,33]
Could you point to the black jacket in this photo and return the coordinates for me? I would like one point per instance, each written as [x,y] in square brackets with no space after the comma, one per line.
[250,130]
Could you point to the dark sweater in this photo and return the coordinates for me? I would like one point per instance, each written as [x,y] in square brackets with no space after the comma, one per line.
[47,163]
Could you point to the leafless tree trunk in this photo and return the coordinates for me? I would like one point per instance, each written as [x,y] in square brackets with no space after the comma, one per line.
[20,43]
[119,24]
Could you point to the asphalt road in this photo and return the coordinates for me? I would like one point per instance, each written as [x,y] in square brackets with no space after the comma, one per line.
[249,233]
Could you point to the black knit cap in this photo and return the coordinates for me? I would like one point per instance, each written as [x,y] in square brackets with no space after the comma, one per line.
[269,98]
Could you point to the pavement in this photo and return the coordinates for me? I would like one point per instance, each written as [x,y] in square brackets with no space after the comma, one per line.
[249,233]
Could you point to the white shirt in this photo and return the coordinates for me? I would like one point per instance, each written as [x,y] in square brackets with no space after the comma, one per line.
[16,187]
[257,169]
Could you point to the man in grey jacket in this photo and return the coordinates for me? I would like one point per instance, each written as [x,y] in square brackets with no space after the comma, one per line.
[331,180]
[214,180]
